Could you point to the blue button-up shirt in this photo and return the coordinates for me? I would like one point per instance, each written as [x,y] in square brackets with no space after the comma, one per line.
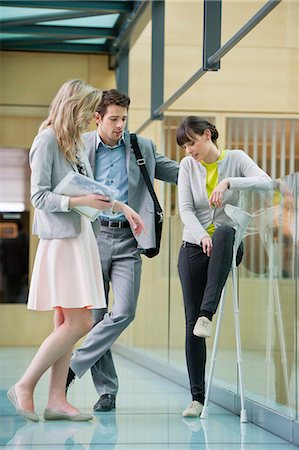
[111,170]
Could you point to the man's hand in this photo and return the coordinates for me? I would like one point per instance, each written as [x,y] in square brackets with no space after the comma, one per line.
[134,220]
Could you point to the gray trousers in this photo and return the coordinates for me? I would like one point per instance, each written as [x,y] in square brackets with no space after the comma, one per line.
[121,266]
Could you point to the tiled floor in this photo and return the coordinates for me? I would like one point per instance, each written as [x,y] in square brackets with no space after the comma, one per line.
[147,417]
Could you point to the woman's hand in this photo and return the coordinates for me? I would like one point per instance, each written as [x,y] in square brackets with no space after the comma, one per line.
[97,201]
[217,194]
[134,220]
[207,245]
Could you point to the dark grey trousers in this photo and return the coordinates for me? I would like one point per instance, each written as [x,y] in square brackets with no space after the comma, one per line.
[121,266]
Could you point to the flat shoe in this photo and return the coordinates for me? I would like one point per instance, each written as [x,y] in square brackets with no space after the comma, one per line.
[49,414]
[29,415]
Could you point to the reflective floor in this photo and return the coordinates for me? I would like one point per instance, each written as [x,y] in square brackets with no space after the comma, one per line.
[147,416]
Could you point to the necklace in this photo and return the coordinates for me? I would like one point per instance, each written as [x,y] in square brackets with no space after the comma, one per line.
[80,164]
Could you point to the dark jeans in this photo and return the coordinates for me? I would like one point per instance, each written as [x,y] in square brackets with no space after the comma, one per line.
[202,279]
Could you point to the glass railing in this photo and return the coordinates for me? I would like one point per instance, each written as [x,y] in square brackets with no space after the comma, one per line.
[268,299]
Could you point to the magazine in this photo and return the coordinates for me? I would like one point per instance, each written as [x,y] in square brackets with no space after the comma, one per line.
[75,184]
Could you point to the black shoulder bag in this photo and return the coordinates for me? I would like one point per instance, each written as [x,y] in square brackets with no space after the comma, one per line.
[149,252]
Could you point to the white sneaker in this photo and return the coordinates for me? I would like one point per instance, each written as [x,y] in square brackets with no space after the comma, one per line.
[203,327]
[193,410]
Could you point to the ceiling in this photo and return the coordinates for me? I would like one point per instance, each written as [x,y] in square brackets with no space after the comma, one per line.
[69,26]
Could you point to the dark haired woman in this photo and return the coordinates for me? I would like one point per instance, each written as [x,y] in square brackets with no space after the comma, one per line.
[209,178]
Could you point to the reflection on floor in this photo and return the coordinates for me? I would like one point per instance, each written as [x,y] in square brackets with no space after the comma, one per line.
[147,417]
[258,387]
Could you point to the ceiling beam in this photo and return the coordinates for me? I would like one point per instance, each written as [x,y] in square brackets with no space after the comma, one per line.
[22,42]
[63,32]
[6,23]
[61,48]
[131,30]
[104,6]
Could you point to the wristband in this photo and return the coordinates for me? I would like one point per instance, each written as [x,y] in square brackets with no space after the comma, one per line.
[113,212]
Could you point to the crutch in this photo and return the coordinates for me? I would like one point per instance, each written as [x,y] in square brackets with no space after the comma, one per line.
[241,220]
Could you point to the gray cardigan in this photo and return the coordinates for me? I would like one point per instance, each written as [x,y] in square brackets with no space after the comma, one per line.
[52,217]
[243,174]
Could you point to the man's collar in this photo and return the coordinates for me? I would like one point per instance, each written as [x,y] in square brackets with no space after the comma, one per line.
[100,141]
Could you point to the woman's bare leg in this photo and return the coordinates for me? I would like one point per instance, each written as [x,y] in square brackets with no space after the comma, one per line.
[57,399]
[70,326]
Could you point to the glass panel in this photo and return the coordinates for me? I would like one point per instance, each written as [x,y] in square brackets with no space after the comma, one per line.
[272,143]
[15,36]
[86,41]
[106,21]
[172,151]
[14,225]
[225,372]
[176,305]
[296,266]
[267,300]
[150,332]
[14,256]
[267,278]
[18,13]
[268,274]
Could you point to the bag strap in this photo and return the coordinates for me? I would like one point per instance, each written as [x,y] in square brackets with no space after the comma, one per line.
[141,163]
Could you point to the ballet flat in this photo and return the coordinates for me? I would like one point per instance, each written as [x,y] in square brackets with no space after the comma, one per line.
[49,414]
[29,415]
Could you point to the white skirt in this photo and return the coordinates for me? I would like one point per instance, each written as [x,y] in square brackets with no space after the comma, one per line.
[67,273]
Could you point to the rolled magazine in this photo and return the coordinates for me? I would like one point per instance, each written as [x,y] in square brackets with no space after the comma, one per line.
[75,184]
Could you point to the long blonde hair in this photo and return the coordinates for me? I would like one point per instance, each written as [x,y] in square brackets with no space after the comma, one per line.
[70,112]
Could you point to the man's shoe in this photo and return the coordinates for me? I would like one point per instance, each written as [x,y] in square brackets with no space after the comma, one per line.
[70,379]
[105,403]
[193,410]
[203,327]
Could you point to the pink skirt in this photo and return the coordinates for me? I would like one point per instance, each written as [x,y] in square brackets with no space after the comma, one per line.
[67,273]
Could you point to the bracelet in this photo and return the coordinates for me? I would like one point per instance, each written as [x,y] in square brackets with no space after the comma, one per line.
[113,207]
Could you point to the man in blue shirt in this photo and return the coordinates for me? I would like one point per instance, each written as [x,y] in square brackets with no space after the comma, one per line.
[114,164]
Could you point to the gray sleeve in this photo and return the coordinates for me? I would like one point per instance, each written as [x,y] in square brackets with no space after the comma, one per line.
[186,204]
[41,158]
[252,176]
[166,169]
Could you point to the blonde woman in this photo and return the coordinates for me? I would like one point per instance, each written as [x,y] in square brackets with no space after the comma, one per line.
[67,273]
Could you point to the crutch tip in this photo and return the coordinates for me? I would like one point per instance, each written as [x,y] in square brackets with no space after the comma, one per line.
[243,416]
[205,412]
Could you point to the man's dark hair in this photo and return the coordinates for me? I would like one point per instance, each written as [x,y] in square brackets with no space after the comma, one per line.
[112,97]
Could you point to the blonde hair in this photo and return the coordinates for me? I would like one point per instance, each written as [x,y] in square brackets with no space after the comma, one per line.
[70,111]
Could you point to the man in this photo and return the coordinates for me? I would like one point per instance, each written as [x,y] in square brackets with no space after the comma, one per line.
[114,164]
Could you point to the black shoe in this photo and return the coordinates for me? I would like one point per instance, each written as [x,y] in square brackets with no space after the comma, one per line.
[105,403]
[70,379]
